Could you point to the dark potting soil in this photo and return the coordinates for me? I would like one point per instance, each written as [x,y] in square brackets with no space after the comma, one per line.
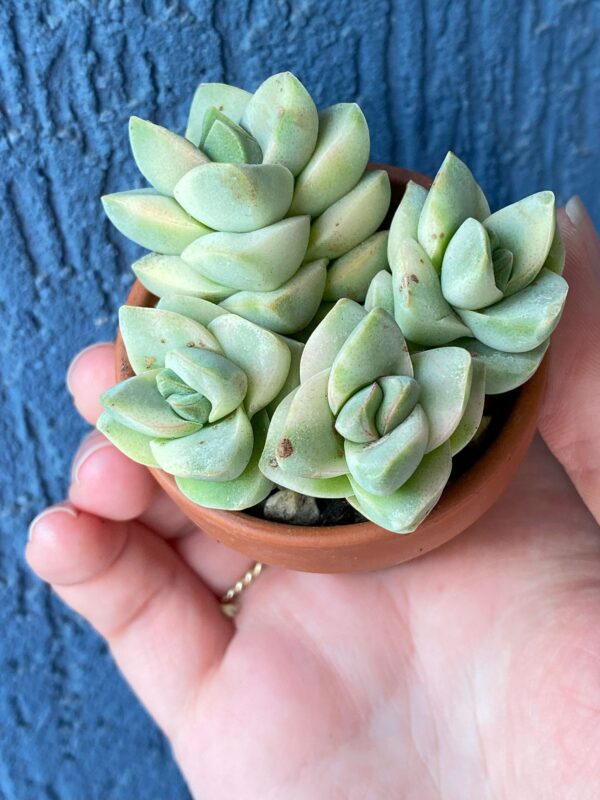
[496,411]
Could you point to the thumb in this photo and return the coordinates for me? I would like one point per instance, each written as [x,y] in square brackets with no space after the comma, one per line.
[570,422]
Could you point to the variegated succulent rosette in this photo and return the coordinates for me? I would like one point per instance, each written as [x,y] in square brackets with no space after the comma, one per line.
[295,344]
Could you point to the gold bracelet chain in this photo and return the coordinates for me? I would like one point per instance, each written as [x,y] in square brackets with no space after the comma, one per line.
[229,606]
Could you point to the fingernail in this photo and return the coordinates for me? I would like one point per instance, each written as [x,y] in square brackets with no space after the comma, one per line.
[90,444]
[58,509]
[76,359]
[575,210]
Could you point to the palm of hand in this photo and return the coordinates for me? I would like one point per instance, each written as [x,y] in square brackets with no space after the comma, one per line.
[437,676]
[469,673]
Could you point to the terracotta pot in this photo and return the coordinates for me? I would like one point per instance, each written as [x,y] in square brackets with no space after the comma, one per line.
[365,546]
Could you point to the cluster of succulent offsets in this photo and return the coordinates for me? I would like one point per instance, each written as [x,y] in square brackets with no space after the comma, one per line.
[296,345]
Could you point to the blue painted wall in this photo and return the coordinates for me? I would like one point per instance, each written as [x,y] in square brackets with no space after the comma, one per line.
[509,85]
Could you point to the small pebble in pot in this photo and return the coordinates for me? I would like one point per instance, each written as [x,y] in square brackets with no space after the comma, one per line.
[288,506]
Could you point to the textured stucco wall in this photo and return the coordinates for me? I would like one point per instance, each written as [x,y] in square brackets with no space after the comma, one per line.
[509,85]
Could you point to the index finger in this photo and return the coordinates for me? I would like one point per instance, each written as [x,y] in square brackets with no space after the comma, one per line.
[91,372]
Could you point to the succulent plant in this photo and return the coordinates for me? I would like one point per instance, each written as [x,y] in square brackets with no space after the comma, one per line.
[196,404]
[264,226]
[256,201]
[371,423]
[488,282]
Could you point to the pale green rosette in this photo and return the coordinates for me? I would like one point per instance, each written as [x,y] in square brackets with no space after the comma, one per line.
[265,206]
[488,282]
[196,405]
[371,423]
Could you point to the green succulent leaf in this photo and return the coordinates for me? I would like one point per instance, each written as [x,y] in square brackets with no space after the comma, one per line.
[194,407]
[283,118]
[224,141]
[555,260]
[524,320]
[230,100]
[152,220]
[217,452]
[187,403]
[502,262]
[260,260]
[351,274]
[381,467]
[329,336]
[400,396]
[314,487]
[421,311]
[149,334]
[504,371]
[445,376]
[236,197]
[338,161]
[222,382]
[352,219]
[168,383]
[162,157]
[309,445]
[287,309]
[263,356]
[356,420]
[202,311]
[138,404]
[380,293]
[320,314]
[405,509]
[212,115]
[375,348]
[526,228]
[454,196]
[245,491]
[230,144]
[471,419]
[162,275]
[293,376]
[468,279]
[405,223]
[133,444]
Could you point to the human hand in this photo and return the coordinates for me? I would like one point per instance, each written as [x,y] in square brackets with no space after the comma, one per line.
[472,672]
